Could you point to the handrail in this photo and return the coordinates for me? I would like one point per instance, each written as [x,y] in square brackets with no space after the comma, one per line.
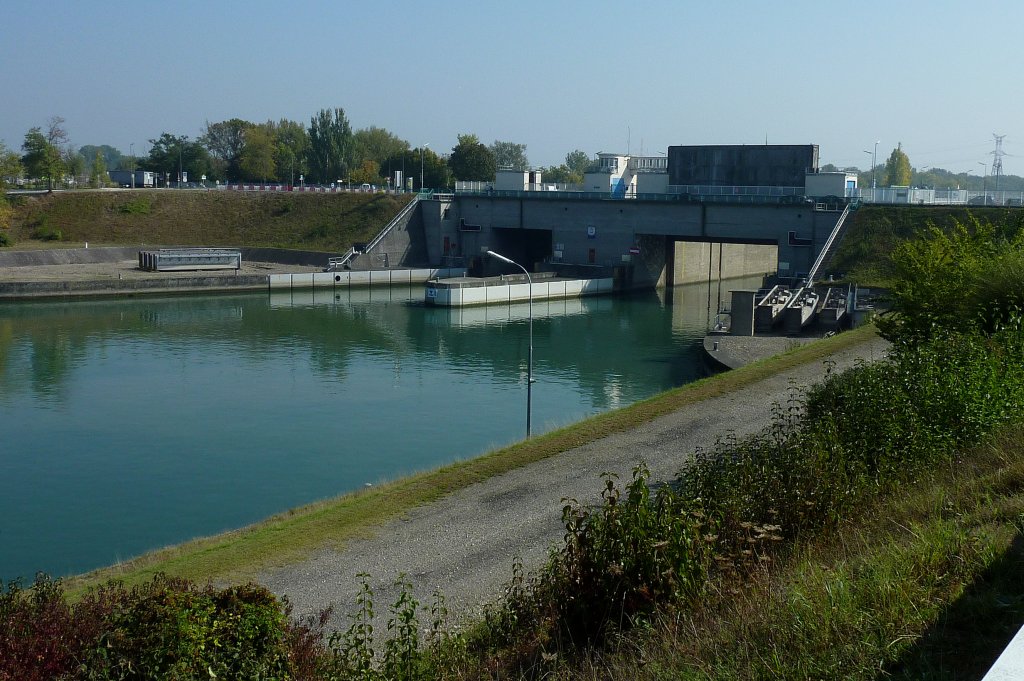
[333,264]
[828,244]
[388,227]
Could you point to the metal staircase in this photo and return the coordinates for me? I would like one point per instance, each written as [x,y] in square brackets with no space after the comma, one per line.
[830,246]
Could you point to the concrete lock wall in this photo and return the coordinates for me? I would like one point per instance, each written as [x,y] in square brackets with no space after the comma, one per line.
[404,246]
[696,262]
[602,232]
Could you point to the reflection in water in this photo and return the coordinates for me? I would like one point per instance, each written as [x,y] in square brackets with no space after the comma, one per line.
[132,424]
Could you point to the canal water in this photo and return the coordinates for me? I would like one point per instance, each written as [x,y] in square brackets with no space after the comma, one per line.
[128,425]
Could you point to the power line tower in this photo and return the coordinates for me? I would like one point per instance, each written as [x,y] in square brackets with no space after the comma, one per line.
[997,158]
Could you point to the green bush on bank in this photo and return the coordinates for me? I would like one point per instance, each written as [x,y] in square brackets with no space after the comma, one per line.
[165,629]
[864,432]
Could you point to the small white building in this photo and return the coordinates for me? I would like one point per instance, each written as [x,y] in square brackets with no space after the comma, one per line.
[839,183]
[625,176]
[517,180]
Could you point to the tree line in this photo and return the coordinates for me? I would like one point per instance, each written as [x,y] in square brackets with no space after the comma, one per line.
[327,150]
[896,171]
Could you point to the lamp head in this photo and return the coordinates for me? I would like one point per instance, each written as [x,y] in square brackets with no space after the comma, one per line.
[499,256]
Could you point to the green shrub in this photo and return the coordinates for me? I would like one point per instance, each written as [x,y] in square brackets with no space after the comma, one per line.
[45,231]
[165,629]
[140,205]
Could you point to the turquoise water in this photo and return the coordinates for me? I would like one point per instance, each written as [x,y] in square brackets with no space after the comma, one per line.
[133,424]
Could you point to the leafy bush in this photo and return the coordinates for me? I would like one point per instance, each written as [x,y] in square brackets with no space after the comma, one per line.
[140,205]
[963,279]
[45,231]
[165,629]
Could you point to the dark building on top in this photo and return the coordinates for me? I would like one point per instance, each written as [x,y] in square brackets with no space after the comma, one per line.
[777,165]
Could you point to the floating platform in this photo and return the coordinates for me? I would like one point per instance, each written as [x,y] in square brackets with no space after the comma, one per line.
[509,288]
[190,259]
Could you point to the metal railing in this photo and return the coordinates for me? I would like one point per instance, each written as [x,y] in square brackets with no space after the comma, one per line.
[335,264]
[388,227]
[937,197]
[828,244]
[734,190]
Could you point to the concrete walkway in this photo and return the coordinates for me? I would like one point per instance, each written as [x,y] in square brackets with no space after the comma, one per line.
[464,544]
[733,352]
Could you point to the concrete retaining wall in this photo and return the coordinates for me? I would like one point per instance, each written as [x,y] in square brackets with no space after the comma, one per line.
[404,246]
[39,289]
[360,278]
[78,256]
[67,256]
[489,295]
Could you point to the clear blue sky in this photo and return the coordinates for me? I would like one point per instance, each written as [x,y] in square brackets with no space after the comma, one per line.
[940,77]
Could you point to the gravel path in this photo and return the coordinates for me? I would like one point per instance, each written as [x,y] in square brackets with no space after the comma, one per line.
[464,544]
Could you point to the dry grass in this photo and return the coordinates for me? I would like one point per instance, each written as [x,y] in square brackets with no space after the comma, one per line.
[215,218]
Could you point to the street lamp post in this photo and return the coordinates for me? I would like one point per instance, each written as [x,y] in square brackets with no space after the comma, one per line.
[422,149]
[529,360]
[984,182]
[872,174]
[874,163]
[131,150]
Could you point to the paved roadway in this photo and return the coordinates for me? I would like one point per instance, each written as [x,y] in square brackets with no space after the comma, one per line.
[464,544]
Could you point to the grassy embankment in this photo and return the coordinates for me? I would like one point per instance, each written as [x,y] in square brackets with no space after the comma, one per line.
[921,584]
[319,222]
[874,231]
[241,554]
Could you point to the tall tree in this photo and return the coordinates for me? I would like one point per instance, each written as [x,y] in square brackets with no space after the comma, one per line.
[171,153]
[10,166]
[510,155]
[897,168]
[42,159]
[471,160]
[56,133]
[330,145]
[74,164]
[376,144]
[558,174]
[578,162]
[111,156]
[258,154]
[10,170]
[436,171]
[291,146]
[225,141]
[368,173]
[98,176]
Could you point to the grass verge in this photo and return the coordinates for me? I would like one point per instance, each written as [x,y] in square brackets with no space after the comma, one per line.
[240,555]
[921,585]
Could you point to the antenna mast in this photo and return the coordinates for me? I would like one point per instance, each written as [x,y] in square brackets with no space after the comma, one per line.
[997,158]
